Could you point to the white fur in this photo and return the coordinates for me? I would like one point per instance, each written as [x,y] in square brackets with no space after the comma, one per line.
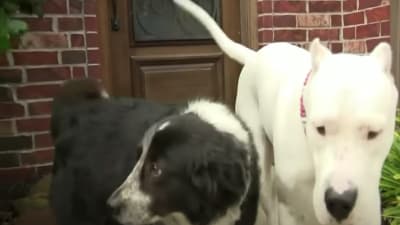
[104,94]
[347,94]
[220,117]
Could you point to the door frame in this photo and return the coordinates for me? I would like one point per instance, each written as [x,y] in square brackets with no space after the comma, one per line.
[395,39]
[248,26]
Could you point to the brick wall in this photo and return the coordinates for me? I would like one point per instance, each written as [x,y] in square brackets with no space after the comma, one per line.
[344,25]
[63,45]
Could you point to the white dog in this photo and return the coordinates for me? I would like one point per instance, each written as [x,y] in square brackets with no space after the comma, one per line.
[330,119]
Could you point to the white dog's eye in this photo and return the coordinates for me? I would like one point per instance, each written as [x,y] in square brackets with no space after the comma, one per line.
[155,170]
[372,134]
[321,130]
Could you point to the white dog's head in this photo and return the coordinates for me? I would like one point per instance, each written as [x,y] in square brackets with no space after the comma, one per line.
[351,105]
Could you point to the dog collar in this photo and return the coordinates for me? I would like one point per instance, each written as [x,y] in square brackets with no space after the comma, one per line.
[303,113]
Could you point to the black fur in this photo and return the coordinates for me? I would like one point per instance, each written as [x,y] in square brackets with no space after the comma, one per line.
[97,141]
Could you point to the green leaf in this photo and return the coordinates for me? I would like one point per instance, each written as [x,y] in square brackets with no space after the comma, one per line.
[10,7]
[16,27]
[4,43]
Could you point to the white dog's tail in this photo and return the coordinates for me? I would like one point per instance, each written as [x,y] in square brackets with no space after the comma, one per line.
[234,50]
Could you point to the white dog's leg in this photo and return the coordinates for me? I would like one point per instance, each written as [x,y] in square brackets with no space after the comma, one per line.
[286,218]
[247,108]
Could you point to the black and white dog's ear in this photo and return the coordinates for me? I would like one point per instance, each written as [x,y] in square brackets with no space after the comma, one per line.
[221,178]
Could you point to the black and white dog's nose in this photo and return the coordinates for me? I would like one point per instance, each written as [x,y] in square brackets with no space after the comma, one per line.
[340,205]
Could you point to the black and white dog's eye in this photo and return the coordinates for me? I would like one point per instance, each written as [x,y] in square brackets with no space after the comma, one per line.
[372,134]
[321,130]
[155,170]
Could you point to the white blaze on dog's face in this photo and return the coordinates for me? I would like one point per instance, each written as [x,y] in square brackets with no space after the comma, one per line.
[130,191]
[351,104]
[196,164]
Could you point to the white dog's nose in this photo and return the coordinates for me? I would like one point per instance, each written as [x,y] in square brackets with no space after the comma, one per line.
[340,205]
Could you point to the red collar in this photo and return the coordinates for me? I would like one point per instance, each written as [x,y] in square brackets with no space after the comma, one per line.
[302,108]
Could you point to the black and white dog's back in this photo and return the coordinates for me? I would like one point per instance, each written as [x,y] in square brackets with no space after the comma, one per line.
[148,160]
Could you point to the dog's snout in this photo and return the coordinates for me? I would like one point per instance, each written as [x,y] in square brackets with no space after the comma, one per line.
[116,210]
[340,205]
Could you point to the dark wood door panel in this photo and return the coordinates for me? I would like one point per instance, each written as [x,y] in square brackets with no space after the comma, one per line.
[177,79]
[167,68]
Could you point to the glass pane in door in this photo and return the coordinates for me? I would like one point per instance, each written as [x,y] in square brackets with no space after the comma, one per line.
[162,20]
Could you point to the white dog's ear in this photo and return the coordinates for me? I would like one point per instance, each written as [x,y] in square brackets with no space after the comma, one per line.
[318,53]
[383,53]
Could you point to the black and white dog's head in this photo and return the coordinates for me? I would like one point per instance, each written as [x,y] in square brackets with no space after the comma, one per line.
[196,163]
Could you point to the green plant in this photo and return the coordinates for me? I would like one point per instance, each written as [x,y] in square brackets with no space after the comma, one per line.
[12,27]
[390,181]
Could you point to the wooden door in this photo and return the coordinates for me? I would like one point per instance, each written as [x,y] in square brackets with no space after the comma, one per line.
[154,50]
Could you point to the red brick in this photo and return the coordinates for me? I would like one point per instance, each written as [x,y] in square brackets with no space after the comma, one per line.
[48,74]
[40,40]
[55,7]
[43,140]
[93,56]
[75,6]
[336,20]
[385,28]
[378,14]
[11,110]
[37,157]
[94,71]
[264,7]
[8,160]
[290,35]
[44,170]
[39,108]
[70,24]
[353,18]
[265,22]
[35,58]
[325,6]
[73,57]
[349,33]
[350,5]
[90,7]
[77,40]
[78,72]
[6,128]
[15,143]
[369,30]
[284,21]
[324,34]
[265,36]
[336,47]
[92,39]
[38,91]
[90,24]
[285,6]
[33,124]
[6,94]
[372,43]
[16,175]
[362,4]
[3,60]
[39,24]
[10,76]
[356,46]
[312,20]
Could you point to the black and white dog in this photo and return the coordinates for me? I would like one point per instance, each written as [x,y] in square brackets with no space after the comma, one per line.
[136,162]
